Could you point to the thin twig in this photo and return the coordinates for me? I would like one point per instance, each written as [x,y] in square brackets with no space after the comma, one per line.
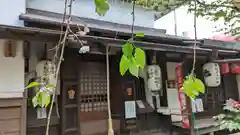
[61,33]
[195,37]
[76,37]
[62,44]
[133,18]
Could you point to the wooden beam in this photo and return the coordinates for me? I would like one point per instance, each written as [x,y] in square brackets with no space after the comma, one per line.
[29,37]
[151,46]
[227,60]
[45,35]
[53,36]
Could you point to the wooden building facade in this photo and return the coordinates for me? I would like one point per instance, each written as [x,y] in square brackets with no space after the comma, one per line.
[85,112]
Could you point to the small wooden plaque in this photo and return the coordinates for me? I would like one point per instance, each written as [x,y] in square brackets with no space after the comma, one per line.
[10,48]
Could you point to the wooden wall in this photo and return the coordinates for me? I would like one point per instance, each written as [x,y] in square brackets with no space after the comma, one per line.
[12,116]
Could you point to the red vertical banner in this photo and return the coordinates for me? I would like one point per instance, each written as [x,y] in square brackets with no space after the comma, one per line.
[181,96]
[225,68]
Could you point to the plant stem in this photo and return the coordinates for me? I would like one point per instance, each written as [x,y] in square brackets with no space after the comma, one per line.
[62,44]
[195,37]
[133,18]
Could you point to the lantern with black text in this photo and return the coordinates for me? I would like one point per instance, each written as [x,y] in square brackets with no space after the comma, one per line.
[212,76]
[155,83]
[154,78]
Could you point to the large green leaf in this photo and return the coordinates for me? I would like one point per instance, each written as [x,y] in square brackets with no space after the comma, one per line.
[101,7]
[124,65]
[134,68]
[127,49]
[198,85]
[140,57]
[32,84]
[192,86]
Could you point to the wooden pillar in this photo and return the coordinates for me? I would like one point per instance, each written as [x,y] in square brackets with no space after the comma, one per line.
[162,61]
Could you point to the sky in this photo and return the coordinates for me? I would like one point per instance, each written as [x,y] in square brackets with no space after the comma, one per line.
[185,24]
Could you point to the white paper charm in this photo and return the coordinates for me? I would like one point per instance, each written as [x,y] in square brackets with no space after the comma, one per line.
[41,113]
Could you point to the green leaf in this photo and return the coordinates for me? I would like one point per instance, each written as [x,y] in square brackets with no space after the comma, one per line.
[134,68]
[140,57]
[124,65]
[45,99]
[35,101]
[220,13]
[51,86]
[127,49]
[198,85]
[192,86]
[101,7]
[139,34]
[32,84]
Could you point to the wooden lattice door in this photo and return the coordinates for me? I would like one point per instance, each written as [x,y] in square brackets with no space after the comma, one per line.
[93,97]
[93,91]
[214,99]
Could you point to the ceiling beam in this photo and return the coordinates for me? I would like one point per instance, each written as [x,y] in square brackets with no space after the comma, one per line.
[45,35]
[227,61]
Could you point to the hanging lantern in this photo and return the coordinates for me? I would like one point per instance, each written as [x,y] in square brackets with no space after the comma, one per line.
[129,91]
[154,78]
[212,76]
[225,68]
[71,94]
[10,48]
[235,68]
[46,73]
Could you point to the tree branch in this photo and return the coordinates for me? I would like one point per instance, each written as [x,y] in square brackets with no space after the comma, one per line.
[216,5]
[61,43]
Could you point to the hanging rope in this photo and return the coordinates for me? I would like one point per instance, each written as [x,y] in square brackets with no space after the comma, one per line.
[194,60]
[110,128]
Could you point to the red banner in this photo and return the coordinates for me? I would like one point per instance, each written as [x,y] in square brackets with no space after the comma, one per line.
[181,96]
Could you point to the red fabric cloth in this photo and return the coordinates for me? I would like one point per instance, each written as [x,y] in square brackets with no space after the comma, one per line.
[225,69]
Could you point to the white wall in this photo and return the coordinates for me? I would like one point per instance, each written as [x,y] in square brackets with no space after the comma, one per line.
[10,10]
[11,73]
[185,22]
[118,12]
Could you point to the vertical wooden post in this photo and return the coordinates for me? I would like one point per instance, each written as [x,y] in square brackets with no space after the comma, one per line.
[161,60]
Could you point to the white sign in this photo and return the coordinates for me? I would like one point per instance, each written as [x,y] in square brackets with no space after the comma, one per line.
[140,104]
[130,109]
[41,113]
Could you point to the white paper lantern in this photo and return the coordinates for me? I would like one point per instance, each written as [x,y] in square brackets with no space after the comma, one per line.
[154,78]
[46,72]
[212,76]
